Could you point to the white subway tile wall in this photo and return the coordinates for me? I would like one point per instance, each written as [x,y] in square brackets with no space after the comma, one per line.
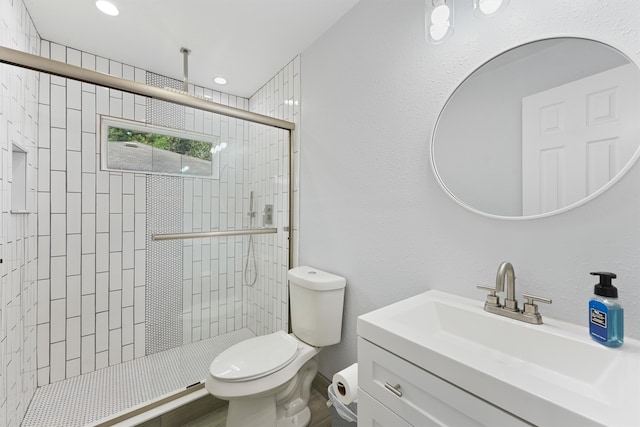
[74,272]
[268,177]
[213,297]
[19,308]
[87,241]
[105,275]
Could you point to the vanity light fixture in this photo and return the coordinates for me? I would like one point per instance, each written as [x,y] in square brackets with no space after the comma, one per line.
[438,20]
[220,80]
[484,8]
[107,7]
[438,16]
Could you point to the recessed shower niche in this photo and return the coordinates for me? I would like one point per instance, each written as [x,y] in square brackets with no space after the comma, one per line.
[548,126]
[18,179]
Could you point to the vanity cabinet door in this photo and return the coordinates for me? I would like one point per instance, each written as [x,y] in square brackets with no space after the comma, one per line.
[372,413]
[420,398]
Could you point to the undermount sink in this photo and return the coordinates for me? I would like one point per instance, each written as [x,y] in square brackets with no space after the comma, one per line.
[550,374]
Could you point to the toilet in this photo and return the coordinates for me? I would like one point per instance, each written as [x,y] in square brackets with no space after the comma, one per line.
[267,379]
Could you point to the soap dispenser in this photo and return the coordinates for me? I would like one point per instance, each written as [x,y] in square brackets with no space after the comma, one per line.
[606,316]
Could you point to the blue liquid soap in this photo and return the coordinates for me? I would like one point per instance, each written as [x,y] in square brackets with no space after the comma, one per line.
[606,321]
[606,315]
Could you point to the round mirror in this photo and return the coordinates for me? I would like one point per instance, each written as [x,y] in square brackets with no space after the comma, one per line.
[539,129]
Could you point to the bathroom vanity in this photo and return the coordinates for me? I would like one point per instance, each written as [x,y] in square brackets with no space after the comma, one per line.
[439,359]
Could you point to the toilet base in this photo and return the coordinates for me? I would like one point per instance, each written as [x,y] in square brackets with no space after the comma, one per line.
[301,419]
[252,412]
[286,406]
[263,413]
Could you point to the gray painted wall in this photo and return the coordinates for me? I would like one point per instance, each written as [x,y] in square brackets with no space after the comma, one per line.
[370,207]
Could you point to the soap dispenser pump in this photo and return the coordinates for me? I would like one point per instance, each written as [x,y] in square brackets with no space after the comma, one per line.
[606,316]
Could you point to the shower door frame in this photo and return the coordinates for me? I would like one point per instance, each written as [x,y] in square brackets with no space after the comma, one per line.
[37,63]
[60,69]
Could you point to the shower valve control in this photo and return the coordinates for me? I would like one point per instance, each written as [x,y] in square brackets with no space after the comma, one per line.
[268,215]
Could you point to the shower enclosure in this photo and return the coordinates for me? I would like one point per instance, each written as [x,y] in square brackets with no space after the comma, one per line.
[140,277]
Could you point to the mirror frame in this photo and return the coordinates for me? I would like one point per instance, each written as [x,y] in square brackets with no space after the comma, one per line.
[572,206]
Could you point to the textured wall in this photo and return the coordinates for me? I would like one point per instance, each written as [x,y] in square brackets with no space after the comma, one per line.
[371,209]
[18,232]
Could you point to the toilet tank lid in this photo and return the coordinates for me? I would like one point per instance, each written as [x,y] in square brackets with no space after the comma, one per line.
[318,280]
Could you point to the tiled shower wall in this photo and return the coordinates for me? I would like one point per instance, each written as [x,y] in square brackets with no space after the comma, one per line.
[267,300]
[214,300]
[210,300]
[91,228]
[18,250]
[97,290]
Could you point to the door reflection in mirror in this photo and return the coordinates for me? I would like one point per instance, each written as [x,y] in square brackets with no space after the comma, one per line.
[539,129]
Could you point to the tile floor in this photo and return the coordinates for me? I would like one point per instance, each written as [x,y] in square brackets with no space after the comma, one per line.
[320,416]
[91,397]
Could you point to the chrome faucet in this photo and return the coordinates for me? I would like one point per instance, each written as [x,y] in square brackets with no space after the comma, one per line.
[505,271]
[510,309]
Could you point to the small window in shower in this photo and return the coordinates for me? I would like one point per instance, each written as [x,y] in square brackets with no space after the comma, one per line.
[139,147]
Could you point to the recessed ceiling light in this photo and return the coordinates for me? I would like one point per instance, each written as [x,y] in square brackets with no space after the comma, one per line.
[107,7]
[220,80]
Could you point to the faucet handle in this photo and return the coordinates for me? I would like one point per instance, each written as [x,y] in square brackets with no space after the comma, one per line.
[532,298]
[492,298]
[492,291]
[530,309]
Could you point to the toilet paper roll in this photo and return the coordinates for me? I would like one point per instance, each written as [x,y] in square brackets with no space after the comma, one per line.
[345,384]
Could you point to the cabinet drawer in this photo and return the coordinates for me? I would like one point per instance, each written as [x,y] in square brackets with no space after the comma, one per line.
[372,413]
[420,398]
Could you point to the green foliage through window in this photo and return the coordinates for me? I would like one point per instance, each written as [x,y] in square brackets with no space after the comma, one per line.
[187,147]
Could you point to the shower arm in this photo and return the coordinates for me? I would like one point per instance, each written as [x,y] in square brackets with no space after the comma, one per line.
[185,66]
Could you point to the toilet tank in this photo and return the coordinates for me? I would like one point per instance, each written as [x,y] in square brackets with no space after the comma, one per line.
[316,302]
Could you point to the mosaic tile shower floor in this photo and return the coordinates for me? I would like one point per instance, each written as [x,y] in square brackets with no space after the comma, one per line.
[88,398]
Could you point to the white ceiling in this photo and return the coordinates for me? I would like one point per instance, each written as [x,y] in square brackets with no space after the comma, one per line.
[246,41]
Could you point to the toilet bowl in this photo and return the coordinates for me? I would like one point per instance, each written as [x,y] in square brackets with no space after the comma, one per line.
[267,379]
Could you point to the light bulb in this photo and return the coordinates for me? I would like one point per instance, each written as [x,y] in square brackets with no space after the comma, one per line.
[107,7]
[440,14]
[438,31]
[488,7]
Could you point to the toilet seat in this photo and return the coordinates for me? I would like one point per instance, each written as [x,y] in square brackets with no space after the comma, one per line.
[255,358]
